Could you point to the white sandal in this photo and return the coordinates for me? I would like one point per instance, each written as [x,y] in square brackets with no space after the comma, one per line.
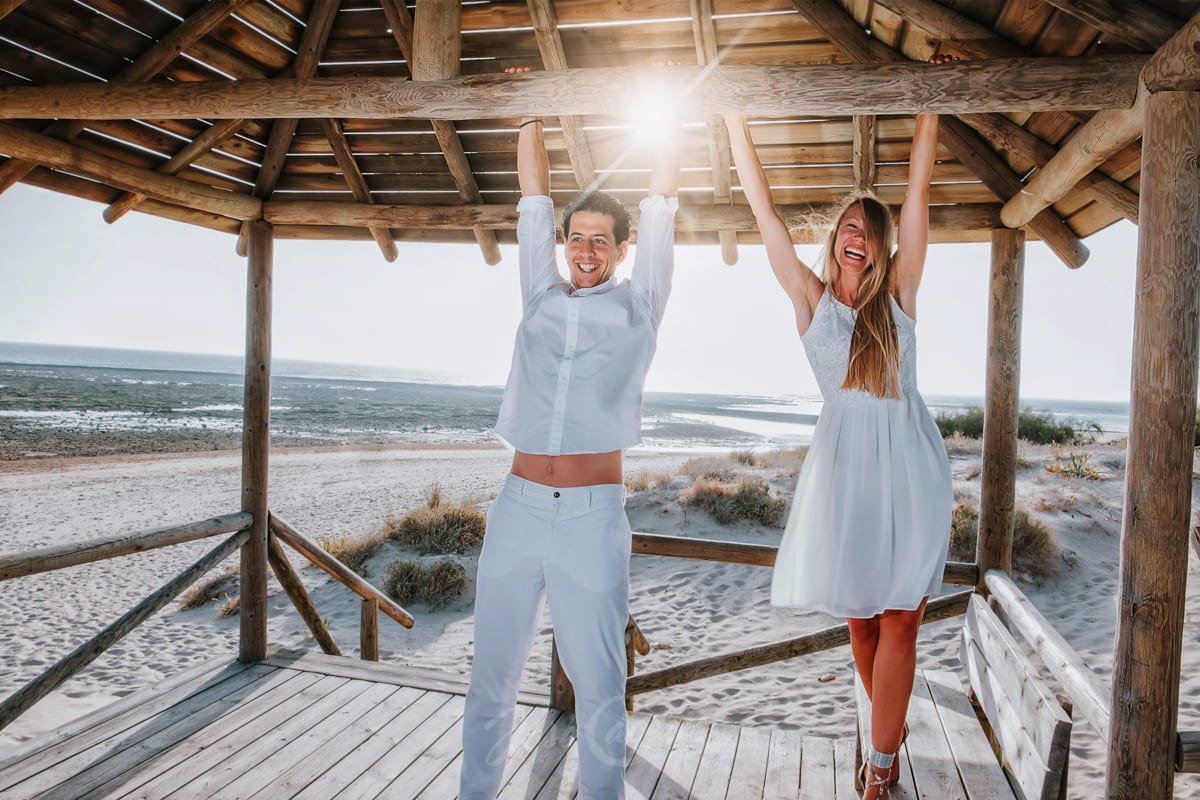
[876,773]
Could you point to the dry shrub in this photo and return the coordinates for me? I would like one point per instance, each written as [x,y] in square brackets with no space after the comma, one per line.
[351,550]
[1033,543]
[643,481]
[792,458]
[219,585]
[436,586]
[728,501]
[743,457]
[714,468]
[439,530]
[1077,465]
[230,607]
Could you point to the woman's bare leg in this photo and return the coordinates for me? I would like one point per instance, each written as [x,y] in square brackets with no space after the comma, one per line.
[892,676]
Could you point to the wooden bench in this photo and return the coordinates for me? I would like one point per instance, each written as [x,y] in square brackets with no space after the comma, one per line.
[1006,736]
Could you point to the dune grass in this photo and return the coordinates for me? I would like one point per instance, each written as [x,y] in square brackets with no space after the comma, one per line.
[1033,543]
[436,585]
[730,500]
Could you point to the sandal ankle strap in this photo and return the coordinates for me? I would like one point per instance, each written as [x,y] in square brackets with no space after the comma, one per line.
[881,760]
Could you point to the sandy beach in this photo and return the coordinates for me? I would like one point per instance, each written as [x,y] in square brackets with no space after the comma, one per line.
[686,609]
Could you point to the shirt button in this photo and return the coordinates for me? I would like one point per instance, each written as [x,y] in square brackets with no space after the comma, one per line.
[556,494]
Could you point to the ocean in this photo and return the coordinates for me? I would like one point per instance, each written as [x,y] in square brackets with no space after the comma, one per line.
[85,401]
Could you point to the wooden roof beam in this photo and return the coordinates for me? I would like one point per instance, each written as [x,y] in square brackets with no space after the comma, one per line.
[41,149]
[554,57]
[504,216]
[958,34]
[149,64]
[9,6]
[1134,22]
[705,34]
[1174,67]
[900,87]
[435,48]
[864,152]
[358,183]
[1030,151]
[841,30]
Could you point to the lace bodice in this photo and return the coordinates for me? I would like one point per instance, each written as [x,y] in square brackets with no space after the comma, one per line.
[827,345]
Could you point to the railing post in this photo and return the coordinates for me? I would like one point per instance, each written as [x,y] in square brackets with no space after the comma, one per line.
[562,693]
[368,639]
[256,433]
[1001,405]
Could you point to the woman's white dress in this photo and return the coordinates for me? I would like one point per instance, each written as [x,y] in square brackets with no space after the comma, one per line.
[870,521]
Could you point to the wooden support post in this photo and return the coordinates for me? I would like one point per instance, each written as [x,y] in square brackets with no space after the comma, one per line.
[562,693]
[368,638]
[1001,406]
[256,442]
[704,32]
[635,644]
[864,153]
[1158,482]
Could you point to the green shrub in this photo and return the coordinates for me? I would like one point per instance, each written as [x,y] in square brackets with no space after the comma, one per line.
[1077,465]
[728,501]
[436,586]
[440,530]
[1039,428]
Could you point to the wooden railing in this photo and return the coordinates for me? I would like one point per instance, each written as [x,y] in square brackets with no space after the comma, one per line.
[58,557]
[759,555]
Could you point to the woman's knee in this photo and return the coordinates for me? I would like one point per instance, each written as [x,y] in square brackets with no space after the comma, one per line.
[863,629]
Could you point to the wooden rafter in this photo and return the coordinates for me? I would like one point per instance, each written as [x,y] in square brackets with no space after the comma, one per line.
[41,149]
[444,19]
[358,184]
[958,34]
[554,57]
[211,137]
[1029,151]
[864,152]
[9,6]
[977,216]
[1092,144]
[1134,22]
[705,34]
[965,144]
[149,64]
[899,87]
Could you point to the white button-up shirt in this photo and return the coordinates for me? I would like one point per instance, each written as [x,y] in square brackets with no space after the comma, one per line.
[581,355]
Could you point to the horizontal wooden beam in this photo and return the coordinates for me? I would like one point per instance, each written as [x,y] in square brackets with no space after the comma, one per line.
[45,559]
[36,147]
[1018,84]
[1090,145]
[1176,65]
[504,216]
[1134,22]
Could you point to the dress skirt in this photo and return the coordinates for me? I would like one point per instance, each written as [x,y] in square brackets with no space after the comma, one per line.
[870,522]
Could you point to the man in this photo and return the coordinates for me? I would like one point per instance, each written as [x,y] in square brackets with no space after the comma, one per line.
[558,528]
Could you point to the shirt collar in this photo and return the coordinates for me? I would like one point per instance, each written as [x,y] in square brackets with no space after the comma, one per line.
[599,288]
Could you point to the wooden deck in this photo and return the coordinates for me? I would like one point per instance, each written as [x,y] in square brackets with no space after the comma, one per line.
[313,726]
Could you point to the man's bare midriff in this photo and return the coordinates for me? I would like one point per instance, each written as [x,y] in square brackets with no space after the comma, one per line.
[583,469]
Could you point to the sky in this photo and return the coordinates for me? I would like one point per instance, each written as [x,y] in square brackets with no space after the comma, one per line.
[66,277]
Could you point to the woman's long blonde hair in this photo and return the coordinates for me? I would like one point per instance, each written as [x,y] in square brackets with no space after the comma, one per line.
[874,348]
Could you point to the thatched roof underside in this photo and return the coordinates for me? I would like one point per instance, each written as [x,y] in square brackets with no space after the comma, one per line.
[407,162]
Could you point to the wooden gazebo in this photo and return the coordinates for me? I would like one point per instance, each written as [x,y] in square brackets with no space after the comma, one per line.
[395,121]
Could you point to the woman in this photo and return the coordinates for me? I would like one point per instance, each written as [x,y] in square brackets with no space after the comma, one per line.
[558,530]
[870,521]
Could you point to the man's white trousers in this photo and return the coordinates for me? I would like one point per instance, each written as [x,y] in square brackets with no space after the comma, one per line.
[570,546]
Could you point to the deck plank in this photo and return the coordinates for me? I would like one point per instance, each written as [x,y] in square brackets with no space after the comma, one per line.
[298,739]
[205,749]
[61,754]
[818,765]
[679,772]
[132,709]
[375,779]
[783,766]
[446,783]
[339,744]
[642,773]
[929,753]
[748,779]
[716,763]
[541,761]
[433,761]
[101,764]
[371,748]
[843,764]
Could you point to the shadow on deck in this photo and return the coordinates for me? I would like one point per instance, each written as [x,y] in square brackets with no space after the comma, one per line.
[315,726]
